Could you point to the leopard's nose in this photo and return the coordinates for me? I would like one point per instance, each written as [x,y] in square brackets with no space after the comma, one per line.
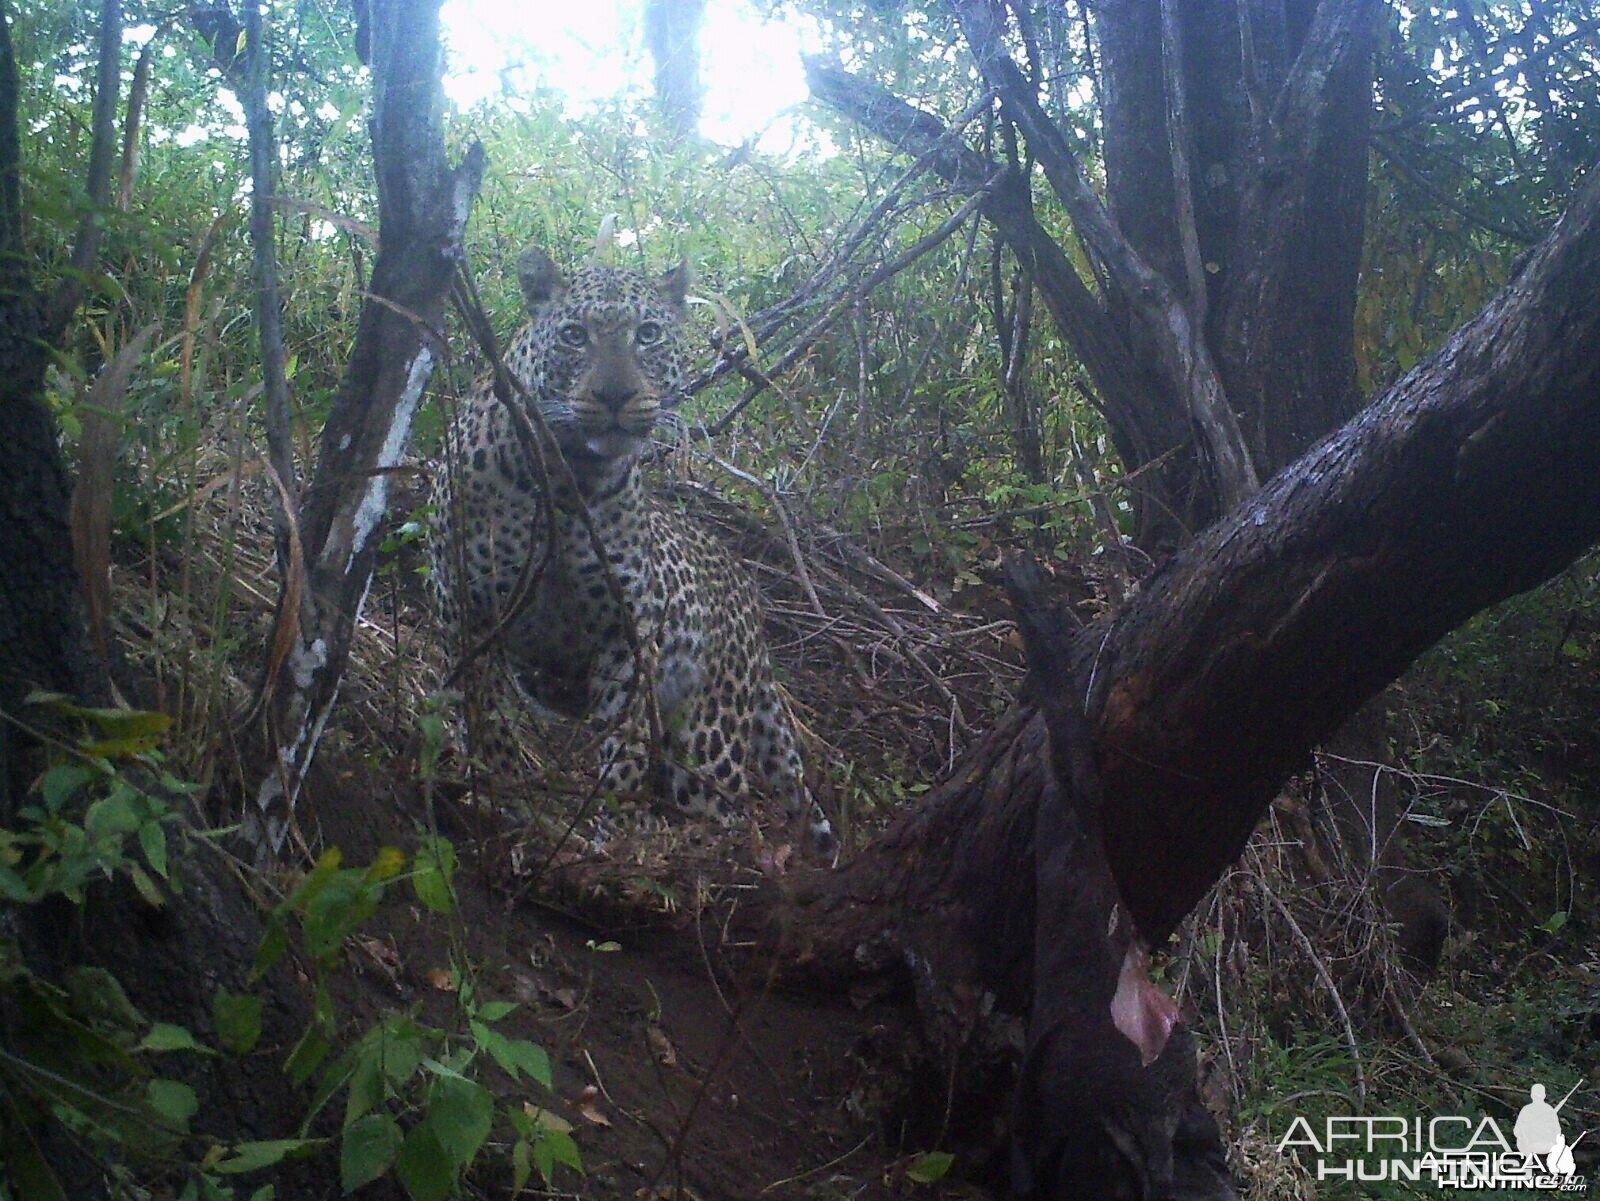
[615,399]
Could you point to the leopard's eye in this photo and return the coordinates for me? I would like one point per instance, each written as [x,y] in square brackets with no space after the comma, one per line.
[649,333]
[573,334]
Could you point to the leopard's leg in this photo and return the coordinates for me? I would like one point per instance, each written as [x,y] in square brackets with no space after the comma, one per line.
[491,717]
[695,779]
[628,766]
[778,766]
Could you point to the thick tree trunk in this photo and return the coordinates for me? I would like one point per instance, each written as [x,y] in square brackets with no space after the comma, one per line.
[42,631]
[1477,476]
[423,204]
[42,624]
[1277,164]
[1174,722]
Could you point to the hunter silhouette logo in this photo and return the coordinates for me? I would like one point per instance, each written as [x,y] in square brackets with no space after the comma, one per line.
[1538,1133]
[1450,1151]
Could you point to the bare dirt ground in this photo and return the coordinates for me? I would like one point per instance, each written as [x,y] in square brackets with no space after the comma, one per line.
[682,1070]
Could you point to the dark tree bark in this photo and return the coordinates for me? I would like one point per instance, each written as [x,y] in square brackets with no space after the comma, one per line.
[423,204]
[672,32]
[1281,102]
[43,643]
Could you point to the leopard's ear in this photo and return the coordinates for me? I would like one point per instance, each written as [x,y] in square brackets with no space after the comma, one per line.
[541,280]
[673,287]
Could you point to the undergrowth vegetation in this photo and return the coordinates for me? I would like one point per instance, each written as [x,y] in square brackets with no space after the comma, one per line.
[871,482]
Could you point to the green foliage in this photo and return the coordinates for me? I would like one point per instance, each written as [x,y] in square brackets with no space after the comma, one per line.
[77,1054]
[414,1099]
[930,1167]
[433,874]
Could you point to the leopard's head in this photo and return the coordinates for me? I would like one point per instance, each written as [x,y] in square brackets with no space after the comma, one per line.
[607,353]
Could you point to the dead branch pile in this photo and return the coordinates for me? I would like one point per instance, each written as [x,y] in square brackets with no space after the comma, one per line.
[890,680]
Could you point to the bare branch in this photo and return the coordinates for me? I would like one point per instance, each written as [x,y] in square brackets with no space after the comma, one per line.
[1185,358]
[884,271]
[97,187]
[133,122]
[264,267]
[1512,233]
[1078,314]
[1182,178]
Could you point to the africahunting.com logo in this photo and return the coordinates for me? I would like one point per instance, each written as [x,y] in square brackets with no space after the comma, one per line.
[1451,1151]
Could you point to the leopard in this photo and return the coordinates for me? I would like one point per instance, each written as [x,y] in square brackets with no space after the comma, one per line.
[590,590]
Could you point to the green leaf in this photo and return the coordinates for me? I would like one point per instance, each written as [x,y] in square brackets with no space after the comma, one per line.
[173,1100]
[930,1167]
[366,1080]
[494,1011]
[146,887]
[274,942]
[402,1050]
[369,1147]
[111,817]
[460,1111]
[97,994]
[386,864]
[308,1053]
[423,1165]
[164,1036]
[545,1160]
[320,876]
[521,1165]
[252,1157]
[121,729]
[555,1147]
[337,909]
[265,1193]
[153,841]
[120,748]
[433,874]
[563,1149]
[237,1018]
[58,785]
[497,1045]
[13,889]
[532,1059]
[124,733]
